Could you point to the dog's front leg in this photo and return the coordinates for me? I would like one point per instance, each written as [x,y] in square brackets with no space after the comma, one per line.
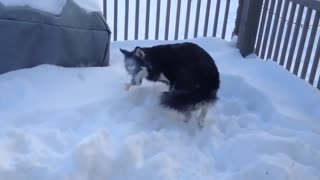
[203,113]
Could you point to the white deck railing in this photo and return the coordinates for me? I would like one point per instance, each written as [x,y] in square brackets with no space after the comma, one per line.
[168,19]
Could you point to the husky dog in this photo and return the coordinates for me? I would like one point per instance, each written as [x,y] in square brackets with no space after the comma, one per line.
[190,72]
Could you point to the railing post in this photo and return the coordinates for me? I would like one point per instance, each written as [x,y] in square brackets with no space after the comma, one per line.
[248,27]
[238,18]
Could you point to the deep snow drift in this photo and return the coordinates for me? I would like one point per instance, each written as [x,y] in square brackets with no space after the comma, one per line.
[80,124]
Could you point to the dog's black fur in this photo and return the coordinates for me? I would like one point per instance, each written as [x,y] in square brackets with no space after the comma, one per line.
[192,73]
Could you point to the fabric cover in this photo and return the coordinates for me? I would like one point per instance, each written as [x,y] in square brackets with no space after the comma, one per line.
[30,37]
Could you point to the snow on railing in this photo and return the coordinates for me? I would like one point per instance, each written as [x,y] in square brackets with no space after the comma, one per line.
[169,19]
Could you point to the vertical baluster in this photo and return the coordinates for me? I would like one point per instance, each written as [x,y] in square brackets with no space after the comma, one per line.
[115,25]
[295,37]
[158,19]
[196,26]
[126,20]
[136,33]
[262,24]
[274,29]
[281,29]
[177,20]
[288,33]
[216,19]
[310,45]
[105,9]
[167,20]
[315,63]
[206,21]
[267,31]
[187,20]
[302,41]
[147,20]
[225,22]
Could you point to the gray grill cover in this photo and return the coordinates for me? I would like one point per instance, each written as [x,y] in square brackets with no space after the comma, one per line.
[30,37]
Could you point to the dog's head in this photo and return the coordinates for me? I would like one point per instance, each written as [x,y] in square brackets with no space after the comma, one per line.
[134,61]
[135,64]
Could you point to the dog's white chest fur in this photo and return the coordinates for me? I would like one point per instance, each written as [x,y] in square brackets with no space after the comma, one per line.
[143,73]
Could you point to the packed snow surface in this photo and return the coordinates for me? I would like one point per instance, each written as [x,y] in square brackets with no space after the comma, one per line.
[54,6]
[80,124]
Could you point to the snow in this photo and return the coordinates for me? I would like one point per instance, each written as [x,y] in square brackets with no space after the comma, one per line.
[79,123]
[91,5]
[55,6]
[50,6]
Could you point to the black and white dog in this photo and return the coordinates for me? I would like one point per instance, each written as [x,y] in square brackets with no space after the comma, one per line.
[190,72]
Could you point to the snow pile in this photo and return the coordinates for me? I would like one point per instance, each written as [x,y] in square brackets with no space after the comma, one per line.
[80,124]
[91,5]
[55,6]
[50,6]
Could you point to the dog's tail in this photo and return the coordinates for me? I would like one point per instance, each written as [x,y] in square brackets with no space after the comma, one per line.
[183,100]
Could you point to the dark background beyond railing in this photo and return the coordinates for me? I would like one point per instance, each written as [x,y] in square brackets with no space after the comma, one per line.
[285,31]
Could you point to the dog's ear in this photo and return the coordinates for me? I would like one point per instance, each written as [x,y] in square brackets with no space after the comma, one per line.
[125,52]
[139,53]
